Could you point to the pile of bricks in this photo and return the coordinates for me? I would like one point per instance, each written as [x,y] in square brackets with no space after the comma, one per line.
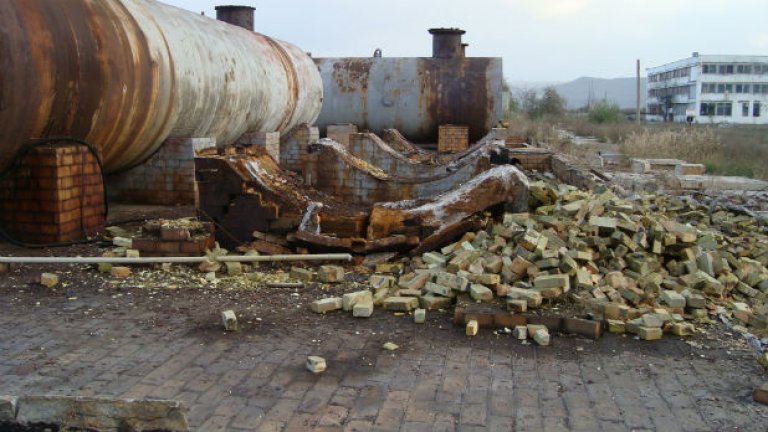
[54,194]
[170,238]
[452,139]
[583,262]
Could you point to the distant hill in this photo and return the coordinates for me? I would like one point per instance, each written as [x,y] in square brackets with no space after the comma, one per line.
[621,91]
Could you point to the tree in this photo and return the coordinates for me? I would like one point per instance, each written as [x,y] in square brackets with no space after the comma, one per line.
[549,104]
[552,104]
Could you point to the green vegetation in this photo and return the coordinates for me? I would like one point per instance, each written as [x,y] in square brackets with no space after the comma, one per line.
[605,112]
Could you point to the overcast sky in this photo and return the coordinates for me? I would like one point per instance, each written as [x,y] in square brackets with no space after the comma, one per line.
[540,40]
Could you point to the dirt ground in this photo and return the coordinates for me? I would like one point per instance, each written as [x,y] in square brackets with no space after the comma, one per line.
[157,334]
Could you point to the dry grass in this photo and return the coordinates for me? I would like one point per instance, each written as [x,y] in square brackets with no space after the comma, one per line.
[737,150]
[538,132]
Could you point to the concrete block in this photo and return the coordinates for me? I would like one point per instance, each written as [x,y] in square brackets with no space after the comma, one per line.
[542,337]
[487,279]
[517,306]
[694,300]
[673,299]
[102,414]
[401,304]
[533,298]
[434,302]
[438,289]
[330,274]
[651,320]
[414,281]
[120,272]
[390,268]
[419,316]
[434,258]
[316,364]
[326,305]
[583,327]
[229,320]
[472,328]
[649,333]
[301,274]
[616,326]
[349,300]
[8,408]
[381,281]
[520,332]
[480,293]
[452,281]
[552,281]
[234,268]
[682,329]
[49,280]
[363,309]
[520,265]
[390,346]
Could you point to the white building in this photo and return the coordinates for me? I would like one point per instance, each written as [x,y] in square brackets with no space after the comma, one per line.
[710,89]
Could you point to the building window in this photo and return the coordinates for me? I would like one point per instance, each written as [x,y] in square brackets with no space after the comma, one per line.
[742,88]
[760,68]
[725,69]
[723,109]
[745,109]
[707,109]
[744,69]
[755,109]
[725,88]
[708,68]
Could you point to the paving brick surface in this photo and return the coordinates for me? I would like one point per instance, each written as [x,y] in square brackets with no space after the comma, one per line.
[438,380]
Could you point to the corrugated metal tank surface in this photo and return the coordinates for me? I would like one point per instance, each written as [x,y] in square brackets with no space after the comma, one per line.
[125,75]
[413,95]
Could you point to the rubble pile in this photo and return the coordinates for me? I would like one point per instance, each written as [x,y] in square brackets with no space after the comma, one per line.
[581,262]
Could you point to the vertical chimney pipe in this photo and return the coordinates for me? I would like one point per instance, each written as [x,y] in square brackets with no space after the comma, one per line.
[446,43]
[241,16]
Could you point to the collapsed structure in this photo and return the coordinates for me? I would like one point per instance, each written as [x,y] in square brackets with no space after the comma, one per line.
[145,103]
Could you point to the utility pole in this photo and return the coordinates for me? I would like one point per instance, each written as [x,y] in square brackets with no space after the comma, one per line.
[637,112]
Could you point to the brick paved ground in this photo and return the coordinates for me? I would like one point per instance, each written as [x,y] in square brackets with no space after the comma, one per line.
[438,380]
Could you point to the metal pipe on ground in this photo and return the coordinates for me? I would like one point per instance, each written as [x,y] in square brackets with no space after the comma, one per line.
[173,260]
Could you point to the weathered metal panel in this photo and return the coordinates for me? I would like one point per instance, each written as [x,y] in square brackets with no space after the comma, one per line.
[413,95]
[125,75]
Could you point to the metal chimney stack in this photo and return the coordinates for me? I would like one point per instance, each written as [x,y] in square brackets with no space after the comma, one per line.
[446,43]
[241,16]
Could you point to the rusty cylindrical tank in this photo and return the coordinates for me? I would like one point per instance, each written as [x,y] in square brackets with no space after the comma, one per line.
[124,75]
[414,95]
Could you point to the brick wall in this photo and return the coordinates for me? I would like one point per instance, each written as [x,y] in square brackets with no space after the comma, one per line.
[54,194]
[356,181]
[567,172]
[269,140]
[166,178]
[341,132]
[532,158]
[452,139]
[293,146]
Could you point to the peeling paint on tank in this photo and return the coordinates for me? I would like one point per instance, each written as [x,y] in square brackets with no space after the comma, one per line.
[413,95]
[125,75]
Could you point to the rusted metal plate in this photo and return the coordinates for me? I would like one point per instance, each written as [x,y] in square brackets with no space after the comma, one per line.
[412,95]
[125,75]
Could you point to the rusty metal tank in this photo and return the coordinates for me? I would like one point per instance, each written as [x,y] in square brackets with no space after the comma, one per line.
[124,75]
[414,95]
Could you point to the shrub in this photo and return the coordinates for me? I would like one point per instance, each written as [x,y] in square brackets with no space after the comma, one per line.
[605,112]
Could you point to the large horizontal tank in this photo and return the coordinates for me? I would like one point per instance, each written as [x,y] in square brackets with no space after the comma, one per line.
[414,95]
[124,75]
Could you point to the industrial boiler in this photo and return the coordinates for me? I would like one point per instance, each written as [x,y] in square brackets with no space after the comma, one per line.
[414,95]
[125,75]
